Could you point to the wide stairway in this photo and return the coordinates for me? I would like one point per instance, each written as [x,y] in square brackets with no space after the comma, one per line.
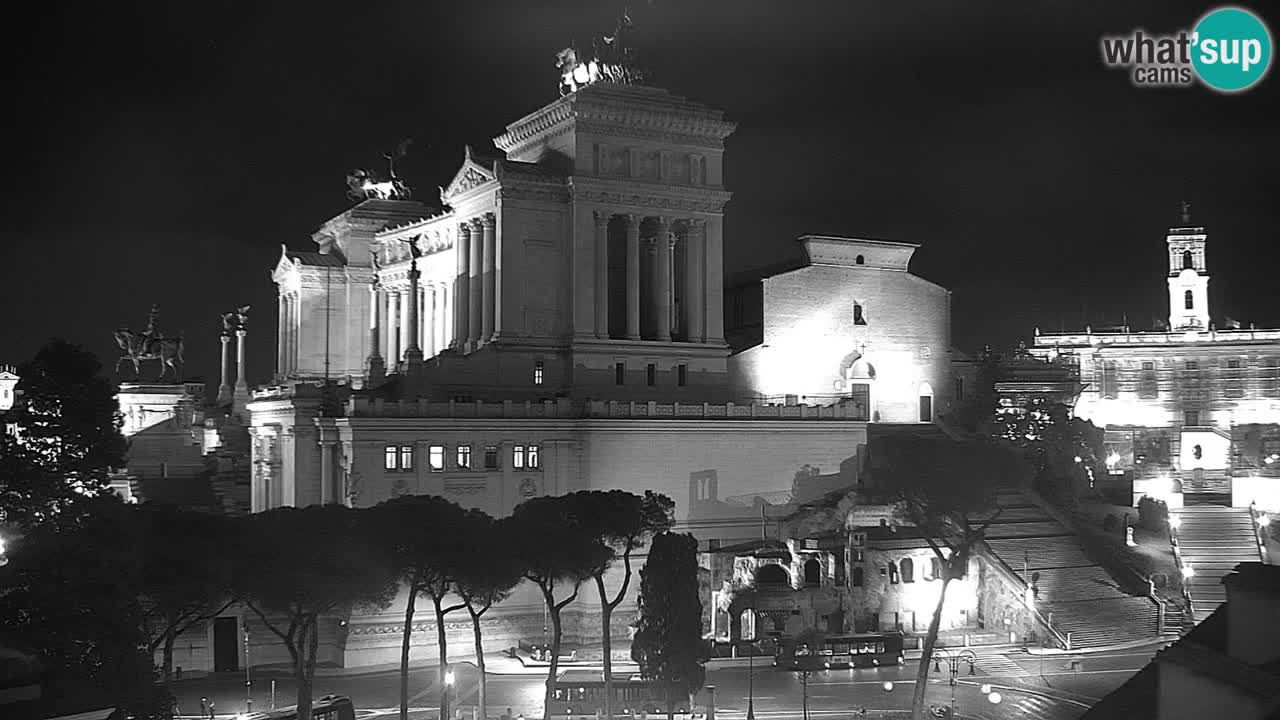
[1076,594]
[1213,539]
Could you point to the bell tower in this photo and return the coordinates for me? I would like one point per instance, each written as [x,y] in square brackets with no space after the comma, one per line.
[1188,275]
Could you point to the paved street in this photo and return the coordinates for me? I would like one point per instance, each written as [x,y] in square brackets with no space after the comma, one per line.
[1047,687]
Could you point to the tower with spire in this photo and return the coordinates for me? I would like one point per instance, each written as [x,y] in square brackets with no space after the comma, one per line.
[1188,275]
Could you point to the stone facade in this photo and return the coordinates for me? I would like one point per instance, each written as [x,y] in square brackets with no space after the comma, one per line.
[853,326]
[1172,399]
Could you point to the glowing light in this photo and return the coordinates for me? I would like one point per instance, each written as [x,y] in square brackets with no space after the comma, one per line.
[1113,459]
[1030,597]
[448,678]
[1078,459]
[1188,571]
[1175,521]
[1263,521]
[888,686]
[986,688]
[995,698]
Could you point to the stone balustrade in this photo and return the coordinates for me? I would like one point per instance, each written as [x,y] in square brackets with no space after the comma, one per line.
[564,408]
[1154,338]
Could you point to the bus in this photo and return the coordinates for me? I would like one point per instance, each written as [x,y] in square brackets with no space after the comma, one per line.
[580,693]
[841,651]
[329,707]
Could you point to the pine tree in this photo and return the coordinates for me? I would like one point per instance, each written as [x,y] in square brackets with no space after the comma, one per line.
[668,644]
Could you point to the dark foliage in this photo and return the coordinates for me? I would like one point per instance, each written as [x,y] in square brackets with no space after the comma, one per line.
[668,643]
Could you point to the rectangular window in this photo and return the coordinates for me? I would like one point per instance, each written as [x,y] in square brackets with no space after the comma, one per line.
[1191,418]
[391,458]
[490,457]
[619,373]
[651,374]
[464,457]
[537,372]
[1109,389]
[531,455]
[1148,387]
[406,457]
[1233,364]
[1192,365]
[517,457]
[926,408]
[682,375]
[435,458]
[959,389]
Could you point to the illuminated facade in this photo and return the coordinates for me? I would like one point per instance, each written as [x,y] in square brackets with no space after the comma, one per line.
[1190,410]
[852,326]
[560,326]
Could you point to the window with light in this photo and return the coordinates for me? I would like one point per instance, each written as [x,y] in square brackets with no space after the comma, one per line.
[531,457]
[537,372]
[464,457]
[406,457]
[435,458]
[391,458]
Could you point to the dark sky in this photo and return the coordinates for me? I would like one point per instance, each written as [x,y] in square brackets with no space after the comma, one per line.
[161,152]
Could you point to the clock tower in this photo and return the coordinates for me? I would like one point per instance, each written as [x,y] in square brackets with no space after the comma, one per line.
[1188,276]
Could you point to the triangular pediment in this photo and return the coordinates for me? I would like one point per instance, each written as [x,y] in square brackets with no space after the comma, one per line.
[284,266]
[471,175]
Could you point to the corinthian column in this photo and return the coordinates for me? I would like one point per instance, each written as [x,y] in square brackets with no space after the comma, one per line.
[488,282]
[429,318]
[462,287]
[282,325]
[602,274]
[224,390]
[240,398]
[475,303]
[662,280]
[694,295]
[412,352]
[715,282]
[377,368]
[633,277]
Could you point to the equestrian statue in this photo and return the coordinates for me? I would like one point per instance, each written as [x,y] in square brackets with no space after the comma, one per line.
[150,345]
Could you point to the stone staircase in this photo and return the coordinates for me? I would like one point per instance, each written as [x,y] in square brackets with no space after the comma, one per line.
[1213,540]
[1076,594]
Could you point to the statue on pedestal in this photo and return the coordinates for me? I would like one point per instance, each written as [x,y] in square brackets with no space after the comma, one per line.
[364,184]
[611,59]
[150,344]
[237,319]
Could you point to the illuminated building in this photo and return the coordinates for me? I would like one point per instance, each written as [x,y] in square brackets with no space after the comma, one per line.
[559,325]
[1191,410]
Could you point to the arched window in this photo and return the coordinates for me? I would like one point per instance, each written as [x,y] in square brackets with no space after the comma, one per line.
[1189,300]
[857,577]
[908,570]
[771,575]
[813,572]
[858,319]
[859,260]
[1188,263]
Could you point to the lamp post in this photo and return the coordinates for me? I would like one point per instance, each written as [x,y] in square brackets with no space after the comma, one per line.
[248,681]
[751,677]
[953,660]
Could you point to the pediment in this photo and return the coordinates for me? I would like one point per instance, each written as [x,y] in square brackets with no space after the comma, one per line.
[284,266]
[471,175]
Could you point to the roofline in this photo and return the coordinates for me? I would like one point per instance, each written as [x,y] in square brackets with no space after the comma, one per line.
[869,241]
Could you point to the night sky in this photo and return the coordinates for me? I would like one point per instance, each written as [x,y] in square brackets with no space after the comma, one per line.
[161,152]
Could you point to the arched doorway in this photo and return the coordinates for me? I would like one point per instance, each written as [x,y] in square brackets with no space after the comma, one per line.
[813,572]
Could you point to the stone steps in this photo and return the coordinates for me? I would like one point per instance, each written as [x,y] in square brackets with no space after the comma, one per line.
[1026,529]
[1040,553]
[1212,540]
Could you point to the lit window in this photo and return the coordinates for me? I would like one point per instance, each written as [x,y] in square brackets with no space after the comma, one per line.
[464,457]
[682,375]
[490,457]
[532,457]
[406,457]
[517,457]
[651,374]
[537,372]
[391,458]
[435,458]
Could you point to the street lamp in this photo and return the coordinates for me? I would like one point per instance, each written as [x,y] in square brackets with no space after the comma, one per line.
[953,660]
[751,677]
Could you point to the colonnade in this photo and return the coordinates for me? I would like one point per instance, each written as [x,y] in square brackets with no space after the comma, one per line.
[699,315]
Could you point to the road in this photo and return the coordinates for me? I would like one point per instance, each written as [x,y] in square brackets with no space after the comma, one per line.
[1047,687]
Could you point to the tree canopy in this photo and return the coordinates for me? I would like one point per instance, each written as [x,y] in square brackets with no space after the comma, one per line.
[68,424]
[668,643]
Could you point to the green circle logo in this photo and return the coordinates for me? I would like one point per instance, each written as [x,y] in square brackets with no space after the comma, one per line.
[1231,49]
